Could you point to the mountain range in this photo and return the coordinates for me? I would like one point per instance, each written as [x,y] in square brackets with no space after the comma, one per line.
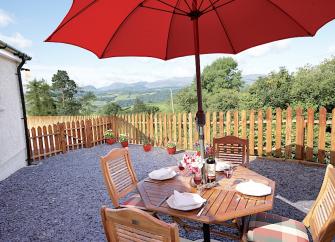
[174,83]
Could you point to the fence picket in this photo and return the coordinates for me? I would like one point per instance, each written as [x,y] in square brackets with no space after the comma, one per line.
[236,123]
[221,124]
[46,141]
[299,134]
[185,130]
[214,125]
[278,151]
[51,140]
[260,133]
[179,131]
[228,123]
[268,148]
[208,128]
[244,124]
[288,137]
[190,131]
[322,134]
[310,134]
[33,138]
[252,132]
[332,137]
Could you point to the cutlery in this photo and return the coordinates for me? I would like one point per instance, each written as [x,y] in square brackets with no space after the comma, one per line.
[202,209]
[163,200]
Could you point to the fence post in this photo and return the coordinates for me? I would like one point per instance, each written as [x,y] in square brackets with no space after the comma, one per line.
[310,134]
[260,133]
[62,137]
[89,134]
[278,132]
[268,146]
[288,130]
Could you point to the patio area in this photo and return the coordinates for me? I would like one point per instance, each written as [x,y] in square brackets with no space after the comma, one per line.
[60,199]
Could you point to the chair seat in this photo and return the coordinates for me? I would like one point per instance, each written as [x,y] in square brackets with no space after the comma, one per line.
[134,201]
[264,227]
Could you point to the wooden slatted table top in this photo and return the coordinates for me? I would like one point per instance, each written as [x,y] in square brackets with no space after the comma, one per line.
[224,202]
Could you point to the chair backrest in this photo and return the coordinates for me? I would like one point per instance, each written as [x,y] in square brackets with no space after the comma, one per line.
[131,224]
[321,217]
[232,149]
[118,173]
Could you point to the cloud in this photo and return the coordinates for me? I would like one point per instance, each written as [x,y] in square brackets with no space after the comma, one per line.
[331,49]
[16,40]
[5,18]
[264,49]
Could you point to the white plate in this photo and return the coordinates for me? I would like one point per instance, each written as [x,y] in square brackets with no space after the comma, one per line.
[252,188]
[170,173]
[170,202]
[221,166]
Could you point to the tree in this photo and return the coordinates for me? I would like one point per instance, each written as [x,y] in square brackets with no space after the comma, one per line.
[272,90]
[111,108]
[314,86]
[39,98]
[87,106]
[222,74]
[224,100]
[141,107]
[65,91]
[186,99]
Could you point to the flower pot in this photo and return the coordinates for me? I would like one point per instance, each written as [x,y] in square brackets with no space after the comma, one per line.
[147,147]
[171,151]
[110,141]
[124,144]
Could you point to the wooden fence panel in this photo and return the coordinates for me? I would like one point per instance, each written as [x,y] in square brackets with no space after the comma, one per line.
[322,135]
[288,130]
[165,129]
[310,134]
[214,125]
[252,132]
[260,133]
[268,148]
[278,151]
[179,131]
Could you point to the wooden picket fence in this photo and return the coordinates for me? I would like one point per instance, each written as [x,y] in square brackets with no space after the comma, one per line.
[287,134]
[50,140]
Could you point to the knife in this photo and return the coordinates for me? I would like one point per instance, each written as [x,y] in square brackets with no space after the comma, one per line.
[163,200]
[201,210]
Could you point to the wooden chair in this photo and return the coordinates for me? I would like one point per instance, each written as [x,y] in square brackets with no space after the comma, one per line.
[120,178]
[130,224]
[232,149]
[320,219]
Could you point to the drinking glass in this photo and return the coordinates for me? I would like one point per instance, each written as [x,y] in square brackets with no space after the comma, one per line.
[180,166]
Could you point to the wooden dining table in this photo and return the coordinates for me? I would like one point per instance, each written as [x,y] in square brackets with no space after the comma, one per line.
[223,204]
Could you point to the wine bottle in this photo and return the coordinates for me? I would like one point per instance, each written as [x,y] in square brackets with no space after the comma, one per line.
[211,167]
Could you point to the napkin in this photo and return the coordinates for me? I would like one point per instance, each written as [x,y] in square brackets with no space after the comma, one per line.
[187,199]
[221,165]
[253,188]
[163,173]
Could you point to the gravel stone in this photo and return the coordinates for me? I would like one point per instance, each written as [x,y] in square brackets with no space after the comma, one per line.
[60,199]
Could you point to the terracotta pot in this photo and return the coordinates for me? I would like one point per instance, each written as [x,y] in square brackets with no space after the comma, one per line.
[110,141]
[147,147]
[124,144]
[171,151]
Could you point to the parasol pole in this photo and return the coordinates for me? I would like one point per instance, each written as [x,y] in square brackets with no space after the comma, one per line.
[200,116]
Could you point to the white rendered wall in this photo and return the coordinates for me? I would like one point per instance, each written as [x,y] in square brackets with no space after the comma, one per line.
[12,136]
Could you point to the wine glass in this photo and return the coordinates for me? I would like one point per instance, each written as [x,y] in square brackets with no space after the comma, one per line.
[181,166]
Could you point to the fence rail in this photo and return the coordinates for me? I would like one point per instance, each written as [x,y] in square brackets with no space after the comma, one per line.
[290,134]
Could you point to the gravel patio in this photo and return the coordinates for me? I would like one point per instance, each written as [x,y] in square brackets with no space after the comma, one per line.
[60,199]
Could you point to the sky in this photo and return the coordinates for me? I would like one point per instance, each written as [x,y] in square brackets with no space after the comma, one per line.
[26,24]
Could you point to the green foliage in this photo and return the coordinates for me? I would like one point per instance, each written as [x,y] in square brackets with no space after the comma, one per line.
[109,134]
[65,91]
[272,90]
[221,82]
[39,98]
[171,145]
[141,107]
[87,103]
[110,108]
[123,138]
[222,74]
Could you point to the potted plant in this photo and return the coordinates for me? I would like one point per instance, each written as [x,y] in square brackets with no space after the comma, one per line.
[171,148]
[123,138]
[147,145]
[109,137]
